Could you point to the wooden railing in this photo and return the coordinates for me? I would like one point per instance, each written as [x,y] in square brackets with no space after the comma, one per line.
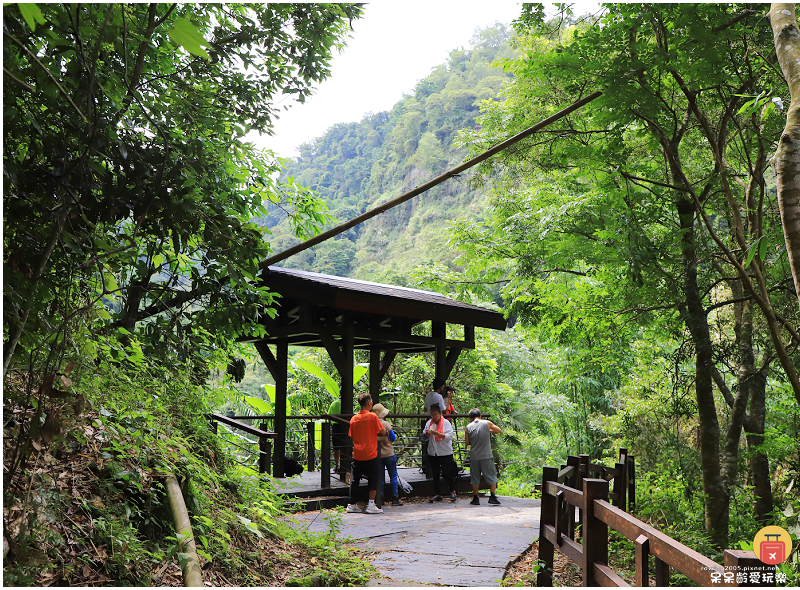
[264,438]
[305,441]
[561,496]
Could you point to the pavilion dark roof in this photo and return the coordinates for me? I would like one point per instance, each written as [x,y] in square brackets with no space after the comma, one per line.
[375,298]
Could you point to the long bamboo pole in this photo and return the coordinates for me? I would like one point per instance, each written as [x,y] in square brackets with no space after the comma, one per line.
[192,574]
[424,187]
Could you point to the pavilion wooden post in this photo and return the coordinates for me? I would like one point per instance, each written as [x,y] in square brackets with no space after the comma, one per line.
[281,383]
[325,467]
[377,370]
[346,389]
[439,333]
[375,374]
[278,365]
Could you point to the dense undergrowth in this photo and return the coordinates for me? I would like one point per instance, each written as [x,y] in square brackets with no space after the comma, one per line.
[87,506]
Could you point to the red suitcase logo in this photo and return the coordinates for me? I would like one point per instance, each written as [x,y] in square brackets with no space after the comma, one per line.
[773,552]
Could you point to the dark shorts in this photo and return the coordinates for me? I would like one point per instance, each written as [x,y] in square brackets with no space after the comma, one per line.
[373,469]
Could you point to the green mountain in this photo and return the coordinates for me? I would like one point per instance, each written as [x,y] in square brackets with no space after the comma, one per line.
[356,166]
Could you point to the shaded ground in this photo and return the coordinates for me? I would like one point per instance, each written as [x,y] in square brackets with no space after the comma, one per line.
[443,543]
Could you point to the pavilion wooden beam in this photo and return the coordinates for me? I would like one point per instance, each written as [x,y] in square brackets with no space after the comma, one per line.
[450,361]
[269,359]
[300,334]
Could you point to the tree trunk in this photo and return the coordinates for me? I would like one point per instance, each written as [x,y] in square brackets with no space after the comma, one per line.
[786,161]
[716,502]
[16,331]
[759,462]
[752,382]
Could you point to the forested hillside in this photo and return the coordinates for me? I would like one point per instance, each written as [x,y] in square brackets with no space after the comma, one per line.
[355,166]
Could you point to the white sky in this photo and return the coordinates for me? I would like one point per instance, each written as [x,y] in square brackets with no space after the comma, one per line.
[393,46]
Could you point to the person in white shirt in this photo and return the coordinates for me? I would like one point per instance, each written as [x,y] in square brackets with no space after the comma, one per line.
[435,396]
[440,452]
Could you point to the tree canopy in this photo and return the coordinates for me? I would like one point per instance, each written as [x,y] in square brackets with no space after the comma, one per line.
[652,206]
[126,176]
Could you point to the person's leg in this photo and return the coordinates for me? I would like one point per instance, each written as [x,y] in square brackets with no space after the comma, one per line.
[391,466]
[356,470]
[433,461]
[373,468]
[383,469]
[448,472]
[475,480]
[337,455]
[490,475]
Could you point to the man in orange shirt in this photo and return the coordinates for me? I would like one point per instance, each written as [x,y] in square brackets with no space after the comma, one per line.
[365,427]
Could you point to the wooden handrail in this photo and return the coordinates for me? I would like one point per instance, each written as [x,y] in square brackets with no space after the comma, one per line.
[348,416]
[568,471]
[598,515]
[231,421]
[690,563]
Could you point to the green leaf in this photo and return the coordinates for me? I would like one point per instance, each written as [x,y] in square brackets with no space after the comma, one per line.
[185,34]
[250,525]
[358,372]
[31,14]
[327,380]
[259,404]
[762,249]
[751,251]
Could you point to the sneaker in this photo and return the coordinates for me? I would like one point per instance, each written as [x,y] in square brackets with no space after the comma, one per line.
[494,500]
[475,501]
[372,509]
[435,499]
[353,508]
[396,501]
[453,497]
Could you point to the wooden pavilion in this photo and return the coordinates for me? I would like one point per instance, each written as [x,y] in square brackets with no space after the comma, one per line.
[343,315]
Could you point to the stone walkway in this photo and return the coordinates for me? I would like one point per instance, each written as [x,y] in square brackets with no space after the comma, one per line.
[443,543]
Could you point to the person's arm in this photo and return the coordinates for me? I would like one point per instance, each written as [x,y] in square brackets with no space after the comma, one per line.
[466,437]
[493,428]
[448,431]
[381,430]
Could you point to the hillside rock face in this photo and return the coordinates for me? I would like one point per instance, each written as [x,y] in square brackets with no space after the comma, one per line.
[355,166]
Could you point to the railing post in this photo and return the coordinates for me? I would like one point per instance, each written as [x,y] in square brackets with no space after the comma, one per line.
[212,424]
[595,532]
[584,473]
[642,550]
[631,484]
[662,573]
[548,516]
[265,451]
[584,459]
[325,463]
[574,482]
[621,486]
[311,445]
[748,569]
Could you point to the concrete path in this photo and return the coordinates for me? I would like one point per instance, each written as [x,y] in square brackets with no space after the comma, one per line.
[443,543]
